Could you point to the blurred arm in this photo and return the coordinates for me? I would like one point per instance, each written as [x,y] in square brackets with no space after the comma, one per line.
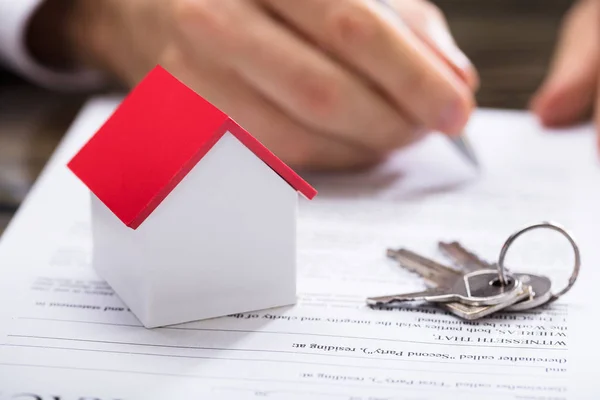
[32,44]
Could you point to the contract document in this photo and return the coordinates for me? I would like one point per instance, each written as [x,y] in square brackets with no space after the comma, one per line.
[64,334]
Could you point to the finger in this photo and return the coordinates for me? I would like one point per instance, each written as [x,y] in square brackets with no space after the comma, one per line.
[429,24]
[293,143]
[567,94]
[366,36]
[301,80]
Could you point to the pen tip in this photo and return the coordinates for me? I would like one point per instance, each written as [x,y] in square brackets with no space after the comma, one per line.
[466,149]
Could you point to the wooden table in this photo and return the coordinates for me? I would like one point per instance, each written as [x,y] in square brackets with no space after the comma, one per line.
[510,41]
[32,121]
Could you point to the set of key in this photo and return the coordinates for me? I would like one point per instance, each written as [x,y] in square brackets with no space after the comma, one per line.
[473,288]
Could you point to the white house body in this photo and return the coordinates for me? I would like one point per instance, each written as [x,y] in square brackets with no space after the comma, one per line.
[222,242]
[192,216]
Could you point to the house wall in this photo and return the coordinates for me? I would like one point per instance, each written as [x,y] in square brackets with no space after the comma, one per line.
[223,242]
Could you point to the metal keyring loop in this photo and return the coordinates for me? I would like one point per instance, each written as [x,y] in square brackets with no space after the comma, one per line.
[546,225]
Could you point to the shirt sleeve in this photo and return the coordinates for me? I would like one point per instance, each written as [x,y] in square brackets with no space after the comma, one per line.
[14,19]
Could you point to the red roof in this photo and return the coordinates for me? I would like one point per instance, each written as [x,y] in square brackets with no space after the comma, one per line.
[153,140]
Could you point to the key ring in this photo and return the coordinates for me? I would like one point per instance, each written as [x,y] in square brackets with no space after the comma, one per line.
[547,225]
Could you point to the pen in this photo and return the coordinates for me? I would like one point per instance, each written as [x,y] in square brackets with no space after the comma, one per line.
[464,147]
[460,142]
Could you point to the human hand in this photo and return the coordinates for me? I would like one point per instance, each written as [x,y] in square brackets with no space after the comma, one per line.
[570,93]
[324,84]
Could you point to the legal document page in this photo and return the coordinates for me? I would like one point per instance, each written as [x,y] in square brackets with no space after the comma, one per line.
[65,335]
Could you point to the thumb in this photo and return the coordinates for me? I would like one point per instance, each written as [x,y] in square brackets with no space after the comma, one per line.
[567,94]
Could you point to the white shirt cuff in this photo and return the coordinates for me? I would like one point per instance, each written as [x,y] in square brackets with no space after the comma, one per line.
[14,19]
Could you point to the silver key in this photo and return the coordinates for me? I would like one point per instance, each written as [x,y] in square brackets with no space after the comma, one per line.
[436,274]
[462,258]
[433,273]
[430,271]
[475,288]
[541,292]
[471,313]
[541,286]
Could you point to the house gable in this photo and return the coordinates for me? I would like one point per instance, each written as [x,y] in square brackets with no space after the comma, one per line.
[152,141]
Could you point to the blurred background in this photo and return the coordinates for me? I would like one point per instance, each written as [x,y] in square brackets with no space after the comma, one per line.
[509,41]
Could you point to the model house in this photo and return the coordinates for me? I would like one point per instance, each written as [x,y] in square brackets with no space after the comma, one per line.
[192,217]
